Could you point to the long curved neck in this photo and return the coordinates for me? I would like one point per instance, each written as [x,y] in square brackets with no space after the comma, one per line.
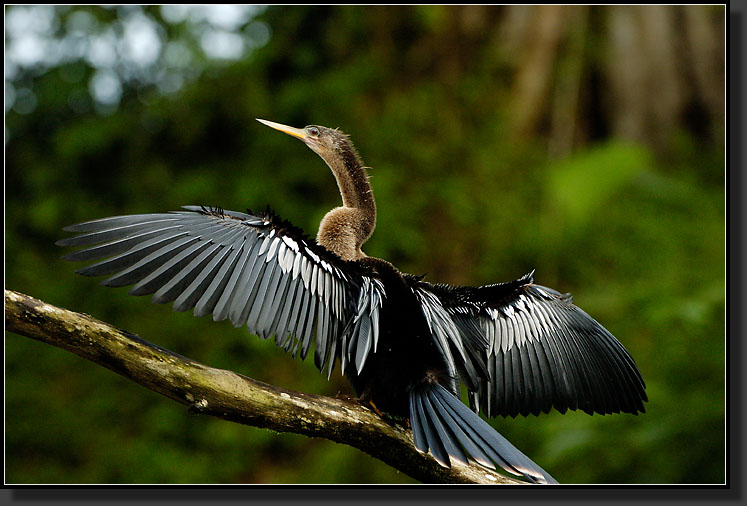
[352,180]
[344,229]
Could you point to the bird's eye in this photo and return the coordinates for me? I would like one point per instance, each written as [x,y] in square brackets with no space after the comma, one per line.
[313,131]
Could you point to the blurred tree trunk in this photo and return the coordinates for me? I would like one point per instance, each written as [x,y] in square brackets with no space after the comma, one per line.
[660,69]
[567,74]
[704,33]
[533,79]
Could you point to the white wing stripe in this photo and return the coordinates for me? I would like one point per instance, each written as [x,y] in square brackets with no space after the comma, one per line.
[297,265]
[273,249]
[291,243]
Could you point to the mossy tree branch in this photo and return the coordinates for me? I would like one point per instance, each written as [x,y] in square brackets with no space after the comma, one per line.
[231,396]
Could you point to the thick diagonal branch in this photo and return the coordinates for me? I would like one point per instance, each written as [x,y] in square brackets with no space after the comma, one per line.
[229,395]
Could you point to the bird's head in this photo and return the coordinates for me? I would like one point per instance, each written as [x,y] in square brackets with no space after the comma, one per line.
[337,150]
[324,141]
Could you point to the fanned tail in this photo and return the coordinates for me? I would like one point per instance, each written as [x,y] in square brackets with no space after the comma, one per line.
[442,423]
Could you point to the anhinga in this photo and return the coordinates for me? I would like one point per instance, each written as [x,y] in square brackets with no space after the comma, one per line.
[404,343]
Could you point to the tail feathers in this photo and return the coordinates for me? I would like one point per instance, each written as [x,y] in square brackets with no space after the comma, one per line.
[442,423]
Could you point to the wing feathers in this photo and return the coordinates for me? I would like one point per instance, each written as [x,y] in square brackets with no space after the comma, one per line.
[257,271]
[539,350]
[194,273]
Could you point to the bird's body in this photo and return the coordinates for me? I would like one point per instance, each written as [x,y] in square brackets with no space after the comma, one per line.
[406,354]
[404,344]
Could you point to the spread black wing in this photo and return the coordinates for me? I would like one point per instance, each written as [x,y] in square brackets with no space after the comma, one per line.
[254,269]
[526,348]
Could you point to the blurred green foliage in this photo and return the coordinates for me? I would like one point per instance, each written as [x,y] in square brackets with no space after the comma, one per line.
[636,232]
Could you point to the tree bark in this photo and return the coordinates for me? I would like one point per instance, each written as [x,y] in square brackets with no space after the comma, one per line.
[231,396]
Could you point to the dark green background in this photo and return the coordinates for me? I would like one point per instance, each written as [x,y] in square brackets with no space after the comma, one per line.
[479,178]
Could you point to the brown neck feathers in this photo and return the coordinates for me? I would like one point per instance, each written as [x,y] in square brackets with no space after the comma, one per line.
[355,188]
[344,230]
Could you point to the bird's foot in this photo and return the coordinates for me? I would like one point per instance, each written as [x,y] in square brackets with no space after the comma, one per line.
[375,409]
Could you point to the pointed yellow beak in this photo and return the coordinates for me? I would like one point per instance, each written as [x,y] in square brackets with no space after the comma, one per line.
[295,132]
